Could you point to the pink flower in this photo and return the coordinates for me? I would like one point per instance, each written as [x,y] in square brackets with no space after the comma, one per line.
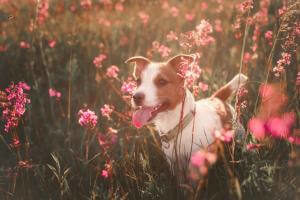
[106,110]
[172,36]
[128,86]
[218,25]
[119,7]
[104,22]
[174,11]
[87,118]
[257,127]
[144,17]
[189,16]
[199,37]
[282,63]
[98,60]
[17,98]
[86,4]
[279,127]
[54,93]
[112,71]
[269,35]
[43,13]
[294,140]
[51,43]
[203,6]
[224,135]
[203,86]
[202,160]
[247,57]
[24,45]
[246,5]
[104,173]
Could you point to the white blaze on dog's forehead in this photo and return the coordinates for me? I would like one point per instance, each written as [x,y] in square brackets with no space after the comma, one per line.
[147,84]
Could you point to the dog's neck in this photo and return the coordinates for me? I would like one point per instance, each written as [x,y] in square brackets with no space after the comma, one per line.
[166,121]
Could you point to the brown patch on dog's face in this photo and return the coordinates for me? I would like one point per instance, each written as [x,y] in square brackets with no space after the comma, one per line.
[170,86]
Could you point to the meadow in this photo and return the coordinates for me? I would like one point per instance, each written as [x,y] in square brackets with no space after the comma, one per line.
[65,97]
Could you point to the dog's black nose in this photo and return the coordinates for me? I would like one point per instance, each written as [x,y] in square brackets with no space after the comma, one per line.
[138,98]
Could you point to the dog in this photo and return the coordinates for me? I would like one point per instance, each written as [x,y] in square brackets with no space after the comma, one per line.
[184,125]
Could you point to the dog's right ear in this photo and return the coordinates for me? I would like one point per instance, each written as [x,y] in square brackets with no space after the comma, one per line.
[140,64]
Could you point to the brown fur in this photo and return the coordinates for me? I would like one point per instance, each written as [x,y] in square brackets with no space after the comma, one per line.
[173,91]
[223,93]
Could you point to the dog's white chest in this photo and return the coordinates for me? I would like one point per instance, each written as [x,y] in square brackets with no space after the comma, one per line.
[196,135]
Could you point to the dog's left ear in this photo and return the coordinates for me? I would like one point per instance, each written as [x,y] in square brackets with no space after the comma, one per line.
[140,64]
[178,61]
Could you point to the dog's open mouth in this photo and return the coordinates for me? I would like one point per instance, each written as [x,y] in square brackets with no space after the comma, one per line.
[145,114]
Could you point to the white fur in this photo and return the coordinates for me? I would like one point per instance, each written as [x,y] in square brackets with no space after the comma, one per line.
[206,121]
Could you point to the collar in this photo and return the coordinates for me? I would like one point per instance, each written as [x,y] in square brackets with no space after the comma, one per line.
[171,134]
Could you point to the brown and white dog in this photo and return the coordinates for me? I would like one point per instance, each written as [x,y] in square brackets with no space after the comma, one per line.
[161,98]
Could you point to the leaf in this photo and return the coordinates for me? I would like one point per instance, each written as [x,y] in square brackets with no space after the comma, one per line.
[93,158]
[57,162]
[53,169]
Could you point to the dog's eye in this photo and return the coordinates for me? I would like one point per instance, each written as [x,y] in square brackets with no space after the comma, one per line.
[162,82]
[138,81]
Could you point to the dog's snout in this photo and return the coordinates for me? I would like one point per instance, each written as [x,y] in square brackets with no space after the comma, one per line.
[138,98]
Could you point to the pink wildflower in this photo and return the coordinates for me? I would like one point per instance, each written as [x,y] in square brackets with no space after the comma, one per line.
[51,43]
[202,33]
[128,86]
[172,36]
[203,86]
[202,160]
[189,16]
[87,118]
[106,110]
[104,173]
[17,99]
[284,61]
[43,13]
[112,71]
[86,4]
[98,60]
[54,93]
[144,17]
[119,7]
[246,5]
[257,127]
[174,11]
[203,6]
[247,57]
[224,135]
[218,25]
[279,127]
[269,35]
[24,45]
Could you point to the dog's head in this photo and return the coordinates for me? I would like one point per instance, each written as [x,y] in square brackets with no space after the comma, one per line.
[160,87]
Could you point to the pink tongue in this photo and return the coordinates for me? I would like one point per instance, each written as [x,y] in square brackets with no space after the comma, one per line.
[141,117]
